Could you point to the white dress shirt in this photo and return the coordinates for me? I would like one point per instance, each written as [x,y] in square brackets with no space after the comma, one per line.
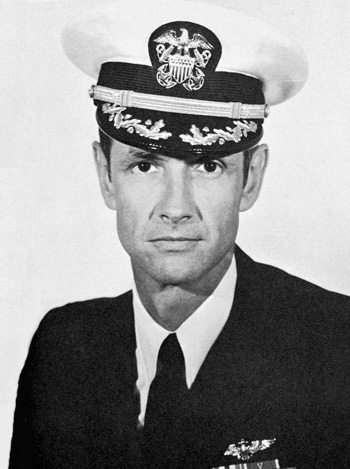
[196,335]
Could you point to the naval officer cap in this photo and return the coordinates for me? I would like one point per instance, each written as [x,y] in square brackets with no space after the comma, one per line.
[183,77]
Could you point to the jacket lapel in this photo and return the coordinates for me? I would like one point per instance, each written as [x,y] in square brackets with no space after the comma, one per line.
[117,435]
[224,400]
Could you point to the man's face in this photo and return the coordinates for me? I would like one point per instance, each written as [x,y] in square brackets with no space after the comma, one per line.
[177,219]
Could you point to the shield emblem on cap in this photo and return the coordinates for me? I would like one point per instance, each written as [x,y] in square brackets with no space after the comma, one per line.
[181,67]
[183,58]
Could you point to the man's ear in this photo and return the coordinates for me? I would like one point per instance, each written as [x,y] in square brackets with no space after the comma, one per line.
[106,185]
[255,178]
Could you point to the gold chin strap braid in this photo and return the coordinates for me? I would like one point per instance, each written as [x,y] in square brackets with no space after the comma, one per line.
[179,105]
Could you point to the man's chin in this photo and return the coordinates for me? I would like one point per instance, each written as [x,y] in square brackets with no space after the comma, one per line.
[176,273]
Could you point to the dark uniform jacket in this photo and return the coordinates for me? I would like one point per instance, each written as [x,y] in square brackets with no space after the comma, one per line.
[280,369]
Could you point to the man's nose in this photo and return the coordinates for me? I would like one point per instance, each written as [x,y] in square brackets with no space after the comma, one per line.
[177,204]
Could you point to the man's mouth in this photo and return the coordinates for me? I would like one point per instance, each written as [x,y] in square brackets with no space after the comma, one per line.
[175,243]
[175,238]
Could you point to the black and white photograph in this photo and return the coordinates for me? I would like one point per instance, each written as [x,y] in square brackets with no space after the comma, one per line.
[175,234]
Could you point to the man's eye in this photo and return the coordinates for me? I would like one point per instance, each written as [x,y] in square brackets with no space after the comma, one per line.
[210,167]
[144,167]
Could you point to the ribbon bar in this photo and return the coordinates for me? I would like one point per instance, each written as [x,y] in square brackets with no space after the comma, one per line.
[274,464]
[179,105]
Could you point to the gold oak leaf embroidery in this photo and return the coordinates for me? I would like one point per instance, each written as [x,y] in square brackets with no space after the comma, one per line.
[135,125]
[230,134]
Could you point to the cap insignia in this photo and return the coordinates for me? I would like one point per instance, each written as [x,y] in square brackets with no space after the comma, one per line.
[244,451]
[148,130]
[230,134]
[183,59]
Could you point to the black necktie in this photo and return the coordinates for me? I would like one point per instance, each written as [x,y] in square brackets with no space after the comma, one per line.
[164,402]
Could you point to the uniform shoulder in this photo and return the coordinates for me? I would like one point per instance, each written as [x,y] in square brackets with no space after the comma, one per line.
[78,322]
[316,325]
[297,284]
[303,295]
[284,294]
[311,322]
[85,311]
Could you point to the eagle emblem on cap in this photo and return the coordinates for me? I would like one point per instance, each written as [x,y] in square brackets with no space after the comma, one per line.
[245,450]
[183,59]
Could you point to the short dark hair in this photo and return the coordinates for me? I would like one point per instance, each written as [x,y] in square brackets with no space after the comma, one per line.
[106,145]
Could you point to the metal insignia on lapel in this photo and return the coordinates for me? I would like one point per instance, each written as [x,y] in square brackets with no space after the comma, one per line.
[245,450]
[182,59]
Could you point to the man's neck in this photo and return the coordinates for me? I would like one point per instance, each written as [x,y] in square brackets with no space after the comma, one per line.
[171,305]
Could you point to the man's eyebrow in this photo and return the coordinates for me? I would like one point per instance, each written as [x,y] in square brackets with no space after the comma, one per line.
[135,153]
[205,157]
[139,154]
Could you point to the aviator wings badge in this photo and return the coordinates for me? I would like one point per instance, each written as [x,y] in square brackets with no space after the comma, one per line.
[183,58]
[245,450]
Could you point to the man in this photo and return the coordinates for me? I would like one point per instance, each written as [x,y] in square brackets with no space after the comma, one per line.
[212,360]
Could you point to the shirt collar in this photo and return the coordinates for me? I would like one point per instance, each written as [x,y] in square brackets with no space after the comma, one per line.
[196,335]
